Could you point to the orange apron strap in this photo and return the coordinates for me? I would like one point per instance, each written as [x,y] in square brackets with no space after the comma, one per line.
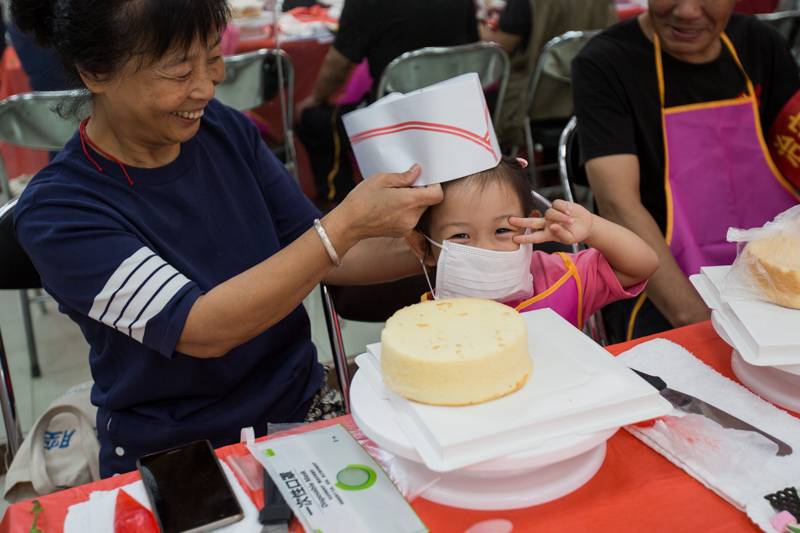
[634,314]
[572,272]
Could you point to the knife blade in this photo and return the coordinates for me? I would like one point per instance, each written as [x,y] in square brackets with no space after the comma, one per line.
[689,404]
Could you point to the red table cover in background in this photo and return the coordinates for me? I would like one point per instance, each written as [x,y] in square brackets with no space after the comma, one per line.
[636,489]
[14,81]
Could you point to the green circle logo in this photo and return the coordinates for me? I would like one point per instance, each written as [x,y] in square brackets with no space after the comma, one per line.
[356,477]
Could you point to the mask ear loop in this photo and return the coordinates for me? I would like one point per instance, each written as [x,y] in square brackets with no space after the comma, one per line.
[427,278]
[425,269]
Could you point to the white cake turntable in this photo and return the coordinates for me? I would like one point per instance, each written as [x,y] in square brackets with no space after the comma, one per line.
[534,446]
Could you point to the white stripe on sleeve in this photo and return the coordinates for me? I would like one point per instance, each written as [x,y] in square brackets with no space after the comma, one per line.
[168,290]
[117,280]
[138,290]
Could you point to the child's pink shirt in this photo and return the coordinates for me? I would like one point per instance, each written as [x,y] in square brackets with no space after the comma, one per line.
[600,285]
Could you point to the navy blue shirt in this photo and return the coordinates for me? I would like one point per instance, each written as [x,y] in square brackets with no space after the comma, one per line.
[127,263]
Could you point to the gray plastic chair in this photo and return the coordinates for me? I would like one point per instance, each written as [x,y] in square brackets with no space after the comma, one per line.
[568,169]
[788,24]
[555,62]
[426,66]
[31,120]
[16,272]
[253,79]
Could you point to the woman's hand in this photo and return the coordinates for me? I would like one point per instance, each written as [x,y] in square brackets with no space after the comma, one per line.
[565,222]
[384,205]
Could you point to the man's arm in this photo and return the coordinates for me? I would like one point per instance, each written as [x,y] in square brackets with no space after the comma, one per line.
[615,184]
[333,74]
[507,41]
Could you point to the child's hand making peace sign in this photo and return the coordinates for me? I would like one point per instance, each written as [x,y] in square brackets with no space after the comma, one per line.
[564,222]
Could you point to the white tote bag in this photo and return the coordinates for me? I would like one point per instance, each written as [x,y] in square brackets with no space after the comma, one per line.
[60,451]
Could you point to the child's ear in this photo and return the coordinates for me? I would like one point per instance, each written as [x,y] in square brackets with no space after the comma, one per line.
[420,246]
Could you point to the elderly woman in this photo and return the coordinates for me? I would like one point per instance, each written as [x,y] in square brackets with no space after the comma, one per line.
[178,242]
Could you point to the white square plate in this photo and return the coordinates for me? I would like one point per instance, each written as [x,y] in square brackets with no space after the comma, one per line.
[763,333]
[576,387]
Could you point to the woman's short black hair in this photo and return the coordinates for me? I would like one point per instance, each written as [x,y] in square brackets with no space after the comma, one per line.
[99,37]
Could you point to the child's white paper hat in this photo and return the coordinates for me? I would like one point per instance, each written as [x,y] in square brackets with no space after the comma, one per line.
[445,127]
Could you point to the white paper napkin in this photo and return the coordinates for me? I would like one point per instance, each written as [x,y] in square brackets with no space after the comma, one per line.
[96,515]
[740,466]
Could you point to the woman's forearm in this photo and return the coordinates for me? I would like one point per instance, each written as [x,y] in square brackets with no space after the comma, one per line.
[378,260]
[246,305]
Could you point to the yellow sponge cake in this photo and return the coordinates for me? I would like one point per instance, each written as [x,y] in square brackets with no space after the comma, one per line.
[455,352]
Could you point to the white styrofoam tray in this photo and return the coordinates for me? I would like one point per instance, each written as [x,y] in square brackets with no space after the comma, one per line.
[763,333]
[375,416]
[576,387]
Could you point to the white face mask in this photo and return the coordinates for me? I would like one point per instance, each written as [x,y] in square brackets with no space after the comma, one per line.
[467,271]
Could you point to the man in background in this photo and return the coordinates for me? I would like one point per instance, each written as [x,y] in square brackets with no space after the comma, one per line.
[524,28]
[378,31]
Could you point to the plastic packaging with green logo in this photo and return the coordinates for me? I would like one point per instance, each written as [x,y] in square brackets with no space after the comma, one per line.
[333,485]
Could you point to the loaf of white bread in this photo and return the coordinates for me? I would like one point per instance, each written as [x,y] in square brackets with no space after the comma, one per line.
[455,352]
[774,263]
[242,9]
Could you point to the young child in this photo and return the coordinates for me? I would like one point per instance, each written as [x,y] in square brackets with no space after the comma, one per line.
[480,240]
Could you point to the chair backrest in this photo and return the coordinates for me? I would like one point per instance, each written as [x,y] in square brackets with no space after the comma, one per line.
[251,78]
[569,168]
[255,78]
[426,66]
[555,61]
[16,269]
[788,24]
[31,120]
[376,303]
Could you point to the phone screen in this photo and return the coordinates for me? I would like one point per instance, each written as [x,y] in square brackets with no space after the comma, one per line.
[188,489]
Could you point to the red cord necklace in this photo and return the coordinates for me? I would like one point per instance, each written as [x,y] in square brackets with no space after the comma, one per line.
[86,140]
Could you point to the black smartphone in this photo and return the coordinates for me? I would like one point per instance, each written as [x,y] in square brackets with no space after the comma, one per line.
[188,490]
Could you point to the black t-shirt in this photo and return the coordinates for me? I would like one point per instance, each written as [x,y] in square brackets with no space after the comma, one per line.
[516,20]
[615,90]
[381,30]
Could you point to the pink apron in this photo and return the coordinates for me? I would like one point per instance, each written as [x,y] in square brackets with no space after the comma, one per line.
[565,296]
[718,173]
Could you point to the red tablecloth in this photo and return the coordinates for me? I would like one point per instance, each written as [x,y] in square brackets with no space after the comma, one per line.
[635,490]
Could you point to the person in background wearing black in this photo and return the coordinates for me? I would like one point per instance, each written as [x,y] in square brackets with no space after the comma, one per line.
[380,31]
[714,81]
[524,28]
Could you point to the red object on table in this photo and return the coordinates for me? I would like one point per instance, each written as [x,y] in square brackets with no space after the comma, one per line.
[130,516]
[635,490]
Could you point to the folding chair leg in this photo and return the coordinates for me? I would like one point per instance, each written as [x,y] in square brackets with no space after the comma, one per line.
[29,336]
[531,154]
[41,299]
[597,329]
[9,405]
[337,345]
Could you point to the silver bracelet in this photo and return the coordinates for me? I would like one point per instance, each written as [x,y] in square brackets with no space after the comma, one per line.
[326,242]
